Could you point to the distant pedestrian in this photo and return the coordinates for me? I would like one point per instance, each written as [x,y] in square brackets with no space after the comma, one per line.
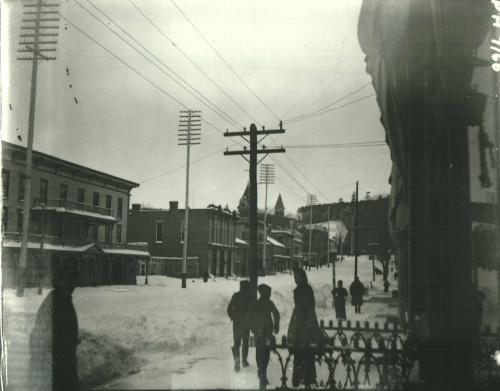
[54,339]
[339,296]
[357,290]
[264,319]
[386,285]
[304,333]
[238,312]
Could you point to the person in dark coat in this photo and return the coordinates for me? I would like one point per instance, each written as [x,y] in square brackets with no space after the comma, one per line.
[54,339]
[304,334]
[238,312]
[357,290]
[264,319]
[339,295]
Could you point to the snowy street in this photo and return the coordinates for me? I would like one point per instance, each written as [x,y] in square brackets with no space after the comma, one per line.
[162,336]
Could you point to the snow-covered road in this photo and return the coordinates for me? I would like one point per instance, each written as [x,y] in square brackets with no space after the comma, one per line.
[161,336]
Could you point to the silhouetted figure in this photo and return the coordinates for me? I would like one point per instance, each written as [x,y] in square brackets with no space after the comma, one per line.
[304,333]
[264,318]
[53,342]
[386,286]
[339,295]
[238,312]
[357,290]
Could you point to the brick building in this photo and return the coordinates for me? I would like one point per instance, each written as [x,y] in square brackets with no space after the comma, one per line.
[211,234]
[79,214]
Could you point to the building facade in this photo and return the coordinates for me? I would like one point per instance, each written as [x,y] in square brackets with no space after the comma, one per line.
[211,235]
[77,214]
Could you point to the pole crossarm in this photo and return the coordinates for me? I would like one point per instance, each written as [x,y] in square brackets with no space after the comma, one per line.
[258,132]
[258,151]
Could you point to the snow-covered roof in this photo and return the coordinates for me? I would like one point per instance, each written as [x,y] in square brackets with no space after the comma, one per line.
[281,256]
[77,212]
[48,246]
[281,231]
[240,241]
[274,242]
[125,251]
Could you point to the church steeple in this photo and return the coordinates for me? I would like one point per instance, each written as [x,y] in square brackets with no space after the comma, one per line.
[244,202]
[279,208]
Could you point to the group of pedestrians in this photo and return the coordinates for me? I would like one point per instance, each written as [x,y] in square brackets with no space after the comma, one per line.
[262,318]
[357,290]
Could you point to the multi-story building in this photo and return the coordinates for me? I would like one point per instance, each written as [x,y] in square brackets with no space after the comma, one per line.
[77,214]
[211,236]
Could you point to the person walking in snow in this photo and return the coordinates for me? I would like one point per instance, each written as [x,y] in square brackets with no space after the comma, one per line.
[238,312]
[339,295]
[304,334]
[264,319]
[54,338]
[357,290]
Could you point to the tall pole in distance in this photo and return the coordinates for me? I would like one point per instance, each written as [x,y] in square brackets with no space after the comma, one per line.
[253,152]
[189,134]
[311,199]
[356,232]
[267,178]
[32,27]
[328,239]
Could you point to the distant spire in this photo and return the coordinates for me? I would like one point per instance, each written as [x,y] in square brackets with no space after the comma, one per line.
[279,208]
[244,202]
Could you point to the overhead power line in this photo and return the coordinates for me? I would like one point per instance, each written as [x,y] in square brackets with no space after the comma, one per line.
[192,61]
[224,61]
[312,115]
[140,74]
[340,145]
[205,101]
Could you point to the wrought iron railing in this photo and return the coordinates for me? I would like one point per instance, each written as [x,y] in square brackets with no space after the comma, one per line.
[355,357]
[377,357]
[73,205]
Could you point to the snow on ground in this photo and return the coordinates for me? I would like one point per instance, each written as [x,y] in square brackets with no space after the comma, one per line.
[488,284]
[178,338]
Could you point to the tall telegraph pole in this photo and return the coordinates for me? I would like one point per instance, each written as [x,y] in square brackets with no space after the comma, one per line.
[251,138]
[311,200]
[267,178]
[189,134]
[356,232]
[38,36]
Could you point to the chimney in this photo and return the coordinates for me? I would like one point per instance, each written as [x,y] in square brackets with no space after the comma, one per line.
[174,205]
[136,207]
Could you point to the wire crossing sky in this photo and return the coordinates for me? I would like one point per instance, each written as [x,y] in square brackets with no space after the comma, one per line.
[131,66]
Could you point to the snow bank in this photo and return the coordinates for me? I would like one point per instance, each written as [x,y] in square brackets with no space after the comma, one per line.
[101,359]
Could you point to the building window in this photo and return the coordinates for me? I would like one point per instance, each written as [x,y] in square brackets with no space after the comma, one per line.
[108,201]
[119,208]
[159,231]
[5,218]
[20,220]
[80,197]
[95,198]
[63,192]
[118,233]
[44,187]
[5,183]
[20,196]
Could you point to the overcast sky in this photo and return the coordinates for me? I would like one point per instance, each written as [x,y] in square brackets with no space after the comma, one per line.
[295,56]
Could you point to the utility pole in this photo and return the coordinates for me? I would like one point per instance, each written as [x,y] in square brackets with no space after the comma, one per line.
[42,258]
[267,178]
[311,200]
[251,138]
[189,134]
[328,238]
[356,232]
[41,20]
